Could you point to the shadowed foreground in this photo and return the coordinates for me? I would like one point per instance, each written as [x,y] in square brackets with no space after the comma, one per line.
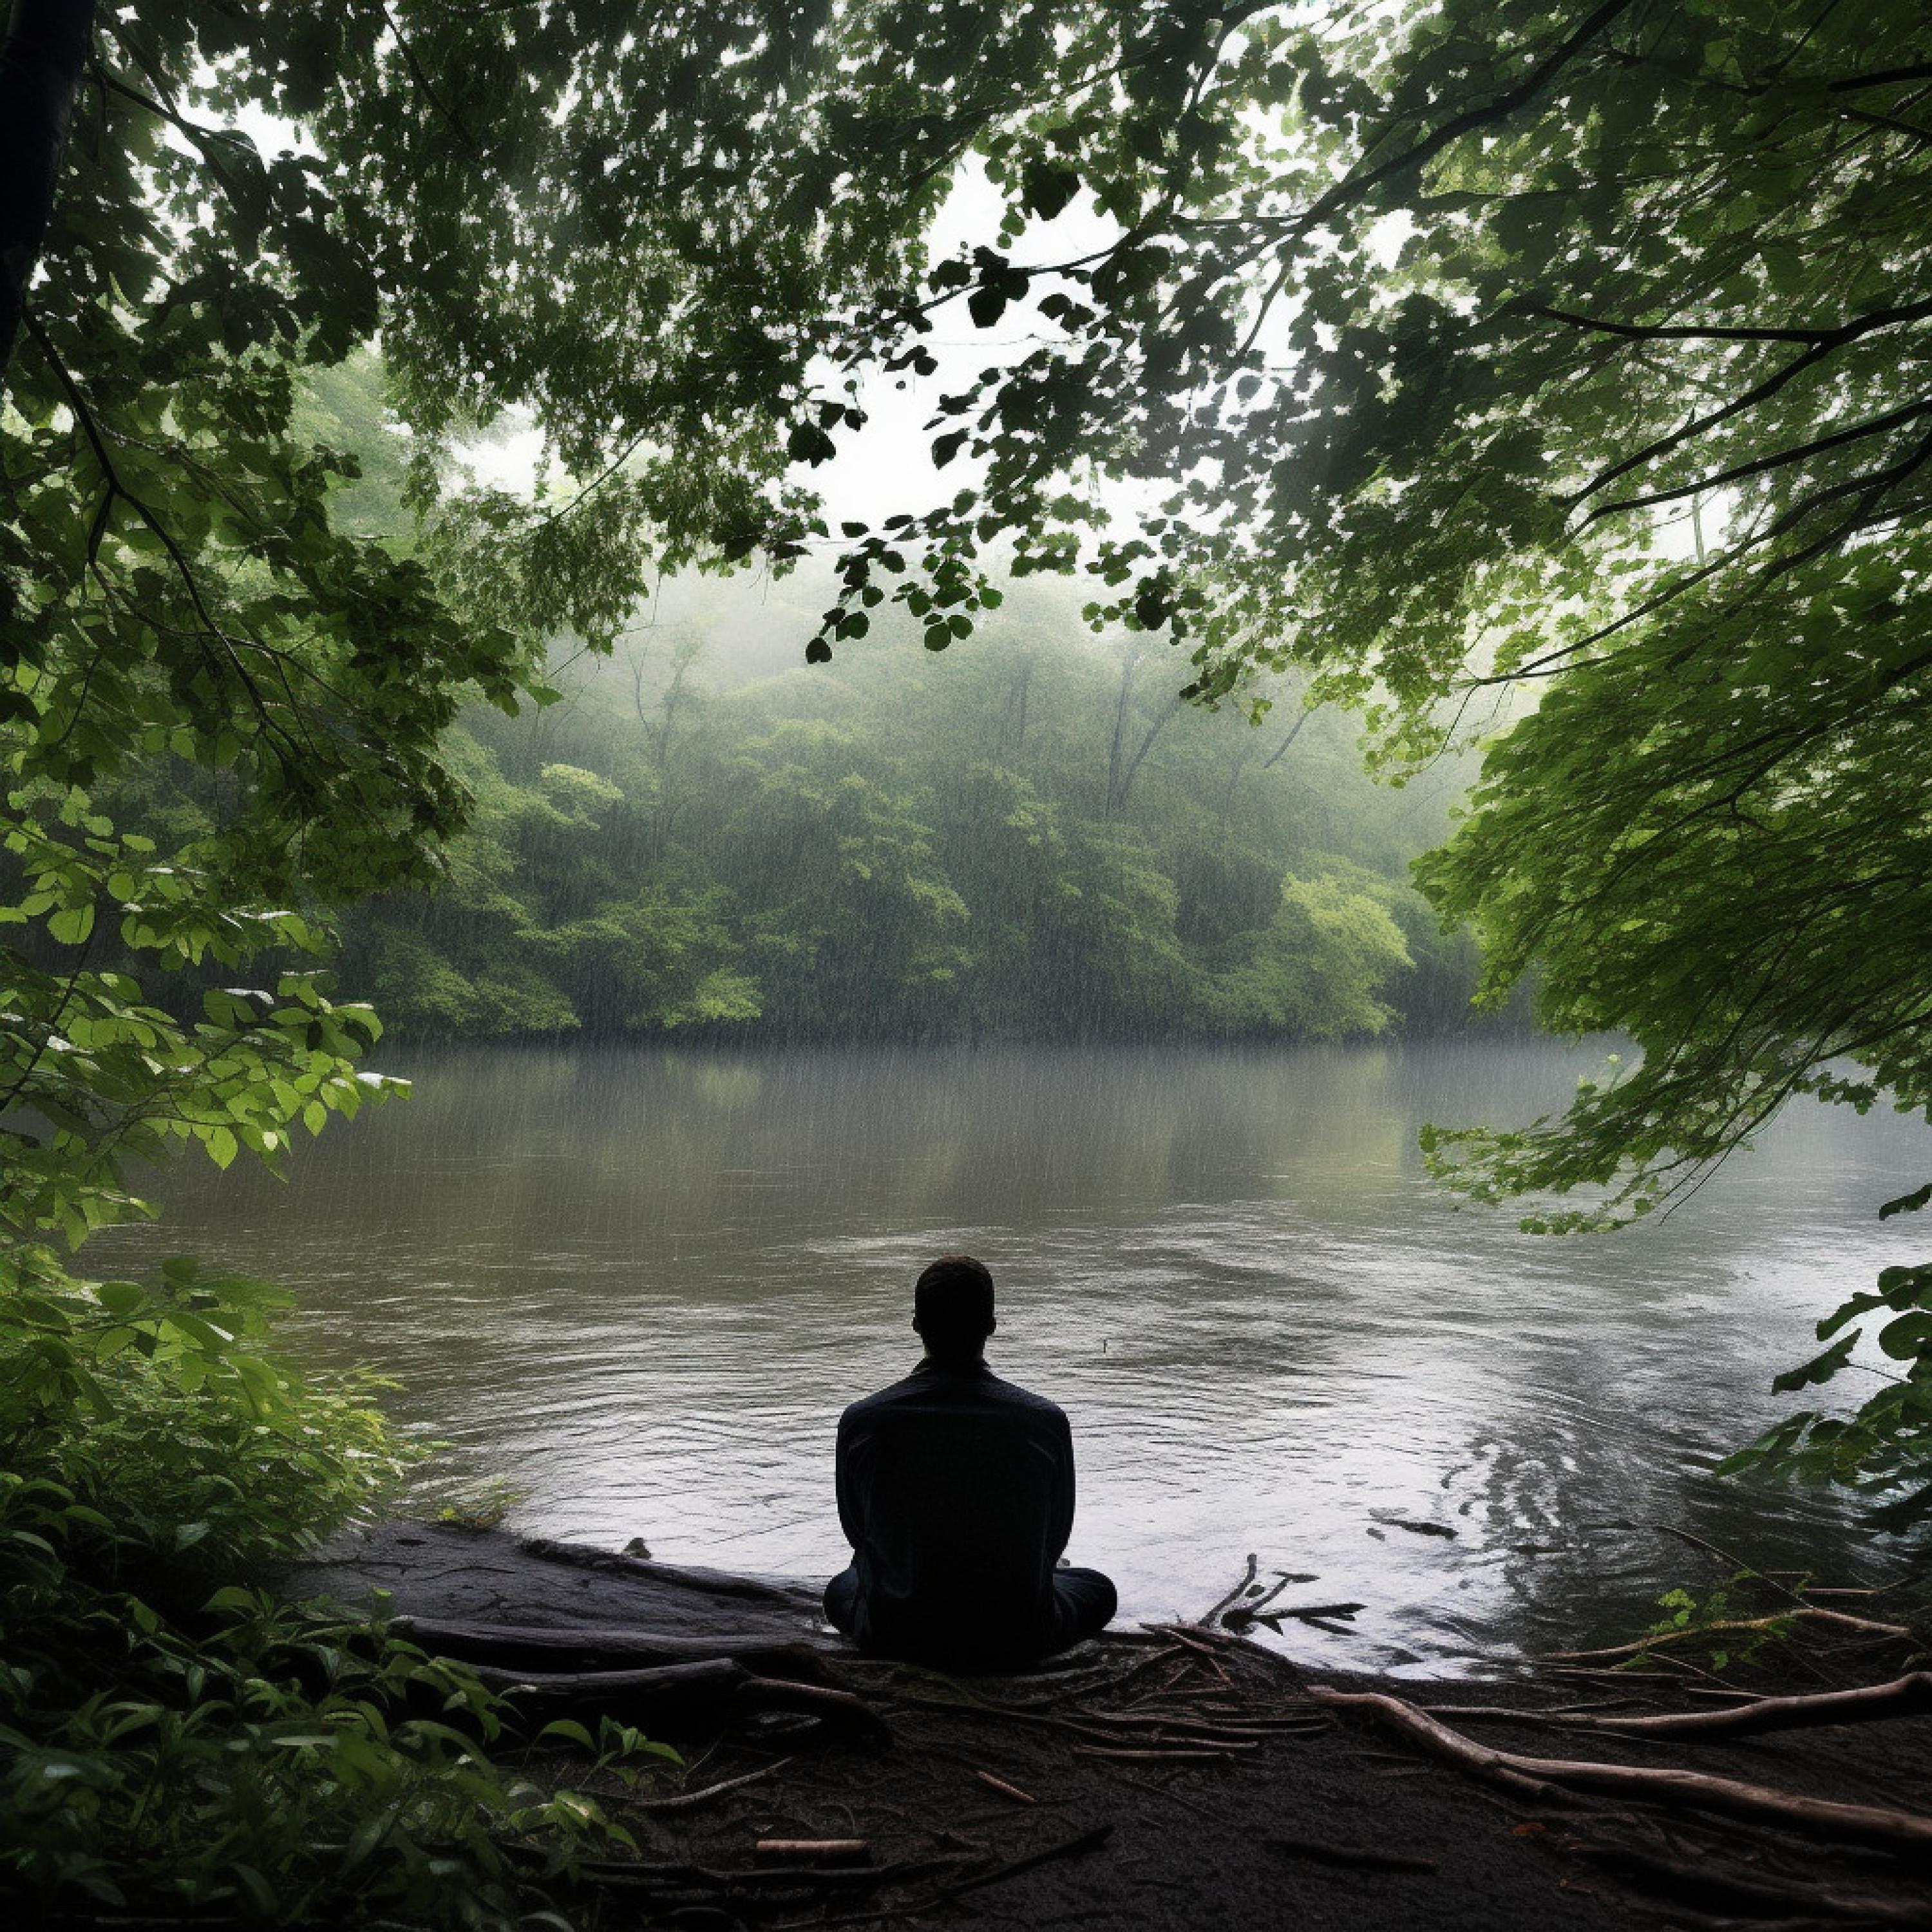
[1175,1777]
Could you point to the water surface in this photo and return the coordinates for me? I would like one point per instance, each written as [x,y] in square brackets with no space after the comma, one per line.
[640,1283]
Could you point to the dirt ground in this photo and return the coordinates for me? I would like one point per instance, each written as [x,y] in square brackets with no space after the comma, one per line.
[1179,1778]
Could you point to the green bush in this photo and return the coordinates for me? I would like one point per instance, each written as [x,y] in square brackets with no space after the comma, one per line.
[172,1740]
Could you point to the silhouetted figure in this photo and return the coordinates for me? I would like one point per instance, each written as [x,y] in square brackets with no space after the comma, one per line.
[955,1491]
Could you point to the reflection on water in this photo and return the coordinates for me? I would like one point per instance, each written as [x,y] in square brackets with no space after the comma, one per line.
[639,1284]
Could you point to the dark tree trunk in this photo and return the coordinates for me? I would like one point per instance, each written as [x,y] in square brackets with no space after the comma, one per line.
[40,61]
[1117,750]
[1133,764]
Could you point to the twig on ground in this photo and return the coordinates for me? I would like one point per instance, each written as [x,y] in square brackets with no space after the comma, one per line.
[1357,1857]
[1068,1848]
[684,1800]
[1737,1563]
[1200,1649]
[1000,1784]
[1200,1753]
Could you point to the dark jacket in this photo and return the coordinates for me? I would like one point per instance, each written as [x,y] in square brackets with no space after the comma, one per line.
[955,1491]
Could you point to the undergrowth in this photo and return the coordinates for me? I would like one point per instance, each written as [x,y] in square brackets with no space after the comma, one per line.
[174,1741]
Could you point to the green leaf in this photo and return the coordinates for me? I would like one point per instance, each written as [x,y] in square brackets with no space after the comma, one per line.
[1909,1337]
[71,924]
[121,1298]
[1821,1368]
[1907,1204]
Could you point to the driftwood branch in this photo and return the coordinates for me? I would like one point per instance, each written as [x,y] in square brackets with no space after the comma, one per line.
[1857,1824]
[1227,1602]
[669,1691]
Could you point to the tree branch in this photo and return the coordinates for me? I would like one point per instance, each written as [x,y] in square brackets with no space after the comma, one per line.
[1761,465]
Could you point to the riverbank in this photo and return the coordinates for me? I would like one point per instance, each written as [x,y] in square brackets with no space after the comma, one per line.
[1178,1777]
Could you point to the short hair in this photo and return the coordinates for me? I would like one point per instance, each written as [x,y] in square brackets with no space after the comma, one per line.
[952,1305]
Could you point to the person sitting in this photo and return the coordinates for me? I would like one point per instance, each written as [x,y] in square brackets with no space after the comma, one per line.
[955,1491]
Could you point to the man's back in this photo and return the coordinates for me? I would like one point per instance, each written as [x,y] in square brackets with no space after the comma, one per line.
[955,1490]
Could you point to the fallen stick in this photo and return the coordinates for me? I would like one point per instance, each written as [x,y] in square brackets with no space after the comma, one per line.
[1810,1612]
[1149,1754]
[1200,1649]
[1167,1649]
[1858,1824]
[671,1690]
[1610,1679]
[684,1800]
[1348,1857]
[1001,1785]
[1152,1723]
[1508,1714]
[839,1851]
[1069,1848]
[1199,1639]
[712,1878]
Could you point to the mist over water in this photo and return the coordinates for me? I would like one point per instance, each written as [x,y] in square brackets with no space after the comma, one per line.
[640,1283]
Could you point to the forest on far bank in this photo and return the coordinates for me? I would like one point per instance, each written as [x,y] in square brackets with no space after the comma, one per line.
[1029,837]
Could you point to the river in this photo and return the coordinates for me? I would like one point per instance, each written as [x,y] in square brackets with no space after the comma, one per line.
[639,1283]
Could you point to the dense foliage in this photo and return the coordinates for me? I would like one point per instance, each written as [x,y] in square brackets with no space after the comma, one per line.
[1029,838]
[181,618]
[173,1743]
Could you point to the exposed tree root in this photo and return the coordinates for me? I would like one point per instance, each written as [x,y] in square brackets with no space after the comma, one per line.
[1907,1696]
[1855,1824]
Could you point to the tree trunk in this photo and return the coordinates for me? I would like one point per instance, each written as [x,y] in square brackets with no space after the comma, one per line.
[1154,731]
[40,61]
[1117,749]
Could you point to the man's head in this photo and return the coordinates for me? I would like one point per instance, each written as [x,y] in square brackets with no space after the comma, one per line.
[952,1308]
